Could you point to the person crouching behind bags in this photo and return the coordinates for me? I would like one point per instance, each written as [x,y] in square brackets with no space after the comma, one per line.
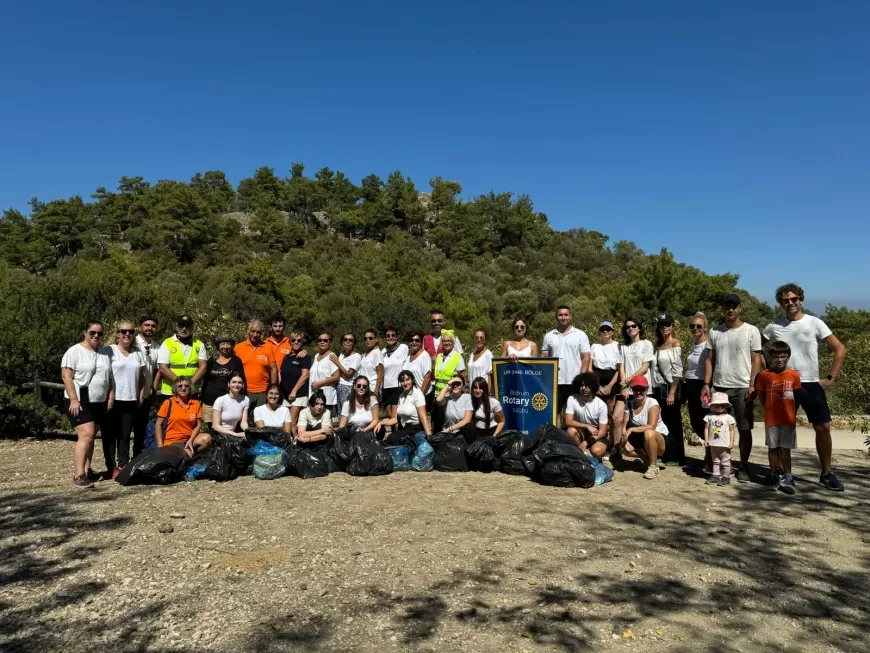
[448,363]
[179,420]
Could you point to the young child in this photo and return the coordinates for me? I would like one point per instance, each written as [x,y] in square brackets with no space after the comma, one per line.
[719,431]
[776,388]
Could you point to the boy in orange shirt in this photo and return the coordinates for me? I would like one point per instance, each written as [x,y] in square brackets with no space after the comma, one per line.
[776,387]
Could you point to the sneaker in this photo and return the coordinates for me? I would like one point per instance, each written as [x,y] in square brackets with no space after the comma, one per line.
[651,472]
[743,476]
[713,480]
[772,482]
[660,464]
[723,480]
[786,484]
[82,481]
[831,482]
[116,472]
[92,475]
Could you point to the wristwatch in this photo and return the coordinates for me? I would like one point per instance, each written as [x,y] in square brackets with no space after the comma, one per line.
[831,378]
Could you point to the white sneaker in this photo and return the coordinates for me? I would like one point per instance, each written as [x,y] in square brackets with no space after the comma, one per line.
[651,472]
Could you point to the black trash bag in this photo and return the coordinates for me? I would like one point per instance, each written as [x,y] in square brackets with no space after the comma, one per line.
[449,449]
[271,434]
[160,466]
[509,448]
[370,457]
[235,450]
[309,462]
[341,446]
[541,435]
[481,455]
[561,465]
[217,465]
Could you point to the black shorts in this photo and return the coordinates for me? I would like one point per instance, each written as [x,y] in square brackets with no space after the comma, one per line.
[90,412]
[811,397]
[605,377]
[563,392]
[637,441]
[390,396]
[590,440]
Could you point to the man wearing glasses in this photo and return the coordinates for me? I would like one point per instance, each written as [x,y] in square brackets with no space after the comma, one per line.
[294,373]
[432,342]
[181,355]
[145,343]
[259,365]
[803,333]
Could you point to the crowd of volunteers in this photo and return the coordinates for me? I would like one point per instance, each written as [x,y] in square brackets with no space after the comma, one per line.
[620,397]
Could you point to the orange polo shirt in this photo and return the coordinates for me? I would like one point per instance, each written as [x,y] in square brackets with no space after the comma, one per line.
[279,350]
[257,362]
[182,420]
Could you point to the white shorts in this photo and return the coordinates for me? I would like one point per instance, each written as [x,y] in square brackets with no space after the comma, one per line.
[299,402]
[780,437]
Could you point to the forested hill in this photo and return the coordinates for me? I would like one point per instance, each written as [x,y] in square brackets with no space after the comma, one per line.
[326,252]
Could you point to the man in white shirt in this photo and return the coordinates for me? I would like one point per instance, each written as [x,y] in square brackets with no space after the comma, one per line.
[571,347]
[803,333]
[735,351]
[148,347]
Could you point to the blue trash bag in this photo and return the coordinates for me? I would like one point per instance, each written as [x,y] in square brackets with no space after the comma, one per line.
[263,448]
[150,442]
[603,473]
[195,472]
[401,458]
[271,466]
[425,454]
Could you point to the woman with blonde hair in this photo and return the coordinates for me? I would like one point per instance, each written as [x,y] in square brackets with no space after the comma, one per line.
[448,363]
[694,377]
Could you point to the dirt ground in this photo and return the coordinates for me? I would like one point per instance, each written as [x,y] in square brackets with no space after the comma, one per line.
[431,562]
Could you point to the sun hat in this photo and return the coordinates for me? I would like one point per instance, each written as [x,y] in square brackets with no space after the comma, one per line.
[224,337]
[719,398]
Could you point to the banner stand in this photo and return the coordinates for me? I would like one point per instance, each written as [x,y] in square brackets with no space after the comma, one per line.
[527,390]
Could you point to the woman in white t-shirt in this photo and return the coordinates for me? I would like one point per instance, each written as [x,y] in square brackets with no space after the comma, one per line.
[635,356]
[324,372]
[230,412]
[315,422]
[273,413]
[487,412]
[694,378]
[586,415]
[409,414]
[128,379]
[361,409]
[87,382]
[455,405]
[522,347]
[372,364]
[348,364]
[395,354]
[642,433]
[419,364]
[480,360]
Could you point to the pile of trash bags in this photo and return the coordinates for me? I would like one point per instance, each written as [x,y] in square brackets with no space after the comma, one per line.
[549,456]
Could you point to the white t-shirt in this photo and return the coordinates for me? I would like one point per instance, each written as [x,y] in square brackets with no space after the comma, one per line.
[393,364]
[91,369]
[642,418]
[231,410]
[803,336]
[567,347]
[408,405]
[634,355]
[368,367]
[457,346]
[320,371]
[480,367]
[125,372]
[420,367]
[480,416]
[149,355]
[593,412]
[605,357]
[360,418]
[454,409]
[720,429]
[733,348]
[351,362]
[163,352]
[269,417]
[314,423]
[696,360]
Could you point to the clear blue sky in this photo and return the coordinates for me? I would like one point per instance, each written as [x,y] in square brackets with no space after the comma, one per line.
[733,135]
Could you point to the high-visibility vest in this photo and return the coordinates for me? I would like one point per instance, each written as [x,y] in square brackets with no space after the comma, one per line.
[180,365]
[429,343]
[445,370]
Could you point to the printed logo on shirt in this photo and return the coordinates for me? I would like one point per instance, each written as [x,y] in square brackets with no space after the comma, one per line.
[262,358]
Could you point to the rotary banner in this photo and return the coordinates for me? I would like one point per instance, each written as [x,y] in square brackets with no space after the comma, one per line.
[526,389]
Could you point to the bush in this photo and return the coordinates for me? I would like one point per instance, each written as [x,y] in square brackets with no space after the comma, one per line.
[25,415]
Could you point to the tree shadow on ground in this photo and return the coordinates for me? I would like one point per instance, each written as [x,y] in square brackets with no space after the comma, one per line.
[46,539]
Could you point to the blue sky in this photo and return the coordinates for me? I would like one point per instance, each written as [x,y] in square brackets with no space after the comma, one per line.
[735,135]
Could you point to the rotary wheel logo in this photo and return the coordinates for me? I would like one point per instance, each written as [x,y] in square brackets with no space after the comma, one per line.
[540,401]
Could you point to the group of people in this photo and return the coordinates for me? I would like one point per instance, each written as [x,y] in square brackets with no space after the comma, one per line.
[621,397]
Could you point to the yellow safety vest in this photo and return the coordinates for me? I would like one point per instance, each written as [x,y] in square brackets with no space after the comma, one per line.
[179,365]
[445,370]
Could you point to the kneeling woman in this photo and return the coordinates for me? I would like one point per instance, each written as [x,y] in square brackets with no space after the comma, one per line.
[273,413]
[643,432]
[488,415]
[179,420]
[455,405]
[230,412]
[586,415]
[315,422]
[361,409]
[409,414]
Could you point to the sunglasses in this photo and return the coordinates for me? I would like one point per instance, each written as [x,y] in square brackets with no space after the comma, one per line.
[605,330]
[790,300]
[348,340]
[630,326]
[95,334]
[390,335]
[370,338]
[323,340]
[696,327]
[126,332]
[437,321]
[519,327]
[295,339]
[456,384]
[415,339]
[639,389]
[361,387]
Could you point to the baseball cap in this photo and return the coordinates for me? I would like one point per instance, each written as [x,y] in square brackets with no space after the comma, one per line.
[639,381]
[605,324]
[665,319]
[731,299]
[224,337]
[184,320]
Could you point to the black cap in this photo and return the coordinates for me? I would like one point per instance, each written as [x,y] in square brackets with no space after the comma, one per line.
[665,320]
[184,320]
[731,299]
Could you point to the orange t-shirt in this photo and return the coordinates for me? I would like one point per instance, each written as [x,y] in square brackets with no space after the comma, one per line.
[257,362]
[182,420]
[279,350]
[778,389]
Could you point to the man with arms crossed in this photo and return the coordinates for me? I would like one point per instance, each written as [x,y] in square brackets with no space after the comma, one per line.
[803,333]
[735,351]
[571,347]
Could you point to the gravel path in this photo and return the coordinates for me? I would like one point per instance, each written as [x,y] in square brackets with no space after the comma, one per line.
[430,562]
